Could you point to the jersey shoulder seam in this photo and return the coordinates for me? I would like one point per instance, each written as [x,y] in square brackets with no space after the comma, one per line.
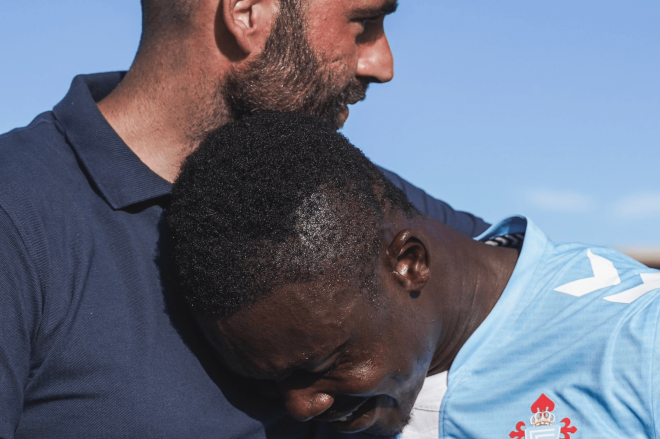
[25,241]
[29,127]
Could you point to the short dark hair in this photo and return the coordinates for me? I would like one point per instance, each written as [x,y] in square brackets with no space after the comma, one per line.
[165,17]
[270,200]
[169,17]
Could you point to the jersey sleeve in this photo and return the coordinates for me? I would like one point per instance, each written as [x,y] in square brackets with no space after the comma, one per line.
[463,222]
[20,309]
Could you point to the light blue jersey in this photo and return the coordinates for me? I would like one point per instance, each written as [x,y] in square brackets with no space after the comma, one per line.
[569,351]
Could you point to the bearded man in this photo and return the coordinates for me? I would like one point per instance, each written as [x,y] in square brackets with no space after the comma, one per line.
[92,341]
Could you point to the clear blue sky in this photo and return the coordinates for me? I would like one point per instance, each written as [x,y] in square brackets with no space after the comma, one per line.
[548,108]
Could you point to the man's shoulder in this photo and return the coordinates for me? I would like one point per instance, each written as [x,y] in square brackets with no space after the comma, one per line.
[36,163]
[463,222]
[35,129]
[588,269]
[40,180]
[42,139]
[587,319]
[574,275]
[574,291]
[590,293]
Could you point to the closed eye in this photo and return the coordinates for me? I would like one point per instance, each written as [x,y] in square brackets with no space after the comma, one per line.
[368,17]
[318,373]
[370,21]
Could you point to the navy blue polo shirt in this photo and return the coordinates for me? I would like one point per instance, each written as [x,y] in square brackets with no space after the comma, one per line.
[93,339]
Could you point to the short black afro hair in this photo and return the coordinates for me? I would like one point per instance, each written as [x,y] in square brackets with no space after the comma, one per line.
[274,199]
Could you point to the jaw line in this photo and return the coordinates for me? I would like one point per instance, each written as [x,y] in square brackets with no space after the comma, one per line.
[342,117]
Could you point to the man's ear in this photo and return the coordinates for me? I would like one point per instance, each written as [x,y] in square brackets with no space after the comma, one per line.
[409,260]
[250,22]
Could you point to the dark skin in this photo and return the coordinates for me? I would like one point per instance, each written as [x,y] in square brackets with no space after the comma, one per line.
[357,361]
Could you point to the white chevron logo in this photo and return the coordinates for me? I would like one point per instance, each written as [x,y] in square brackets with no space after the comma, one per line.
[651,281]
[605,275]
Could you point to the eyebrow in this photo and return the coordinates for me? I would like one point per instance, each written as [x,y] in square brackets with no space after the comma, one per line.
[387,9]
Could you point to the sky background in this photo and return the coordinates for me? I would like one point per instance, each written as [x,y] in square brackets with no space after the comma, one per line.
[547,108]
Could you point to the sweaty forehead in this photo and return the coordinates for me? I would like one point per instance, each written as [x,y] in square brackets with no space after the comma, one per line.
[297,326]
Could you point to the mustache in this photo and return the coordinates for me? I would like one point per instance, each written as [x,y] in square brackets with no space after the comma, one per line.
[329,108]
[354,92]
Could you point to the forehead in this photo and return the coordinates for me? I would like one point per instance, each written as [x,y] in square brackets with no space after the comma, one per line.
[297,326]
[344,6]
[327,13]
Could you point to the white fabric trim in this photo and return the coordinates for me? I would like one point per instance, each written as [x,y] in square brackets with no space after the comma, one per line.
[426,411]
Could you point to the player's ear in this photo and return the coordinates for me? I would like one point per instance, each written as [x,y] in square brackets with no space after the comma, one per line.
[249,21]
[408,258]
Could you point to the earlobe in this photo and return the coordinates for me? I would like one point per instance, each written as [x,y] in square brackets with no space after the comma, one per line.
[409,260]
[249,21]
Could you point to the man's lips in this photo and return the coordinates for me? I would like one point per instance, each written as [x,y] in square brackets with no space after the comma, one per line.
[362,418]
[341,411]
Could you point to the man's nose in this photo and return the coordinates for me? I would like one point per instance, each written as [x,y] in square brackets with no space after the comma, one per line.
[304,404]
[376,62]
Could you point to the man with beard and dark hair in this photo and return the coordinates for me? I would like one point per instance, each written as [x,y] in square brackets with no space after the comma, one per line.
[93,342]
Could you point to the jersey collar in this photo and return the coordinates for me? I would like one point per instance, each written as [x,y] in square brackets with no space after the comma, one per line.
[118,174]
[534,247]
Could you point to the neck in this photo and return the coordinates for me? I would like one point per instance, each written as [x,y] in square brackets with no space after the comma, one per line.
[465,289]
[164,107]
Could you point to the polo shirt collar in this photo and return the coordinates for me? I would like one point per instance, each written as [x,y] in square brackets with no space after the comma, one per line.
[120,176]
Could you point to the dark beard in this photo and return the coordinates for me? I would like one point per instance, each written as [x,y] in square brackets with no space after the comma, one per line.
[398,429]
[289,77]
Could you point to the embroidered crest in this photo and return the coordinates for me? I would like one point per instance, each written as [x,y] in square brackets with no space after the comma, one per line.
[543,423]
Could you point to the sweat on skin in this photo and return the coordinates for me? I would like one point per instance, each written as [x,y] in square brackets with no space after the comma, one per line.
[323,279]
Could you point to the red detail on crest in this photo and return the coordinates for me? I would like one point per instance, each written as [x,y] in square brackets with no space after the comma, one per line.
[519,433]
[542,416]
[542,404]
[566,430]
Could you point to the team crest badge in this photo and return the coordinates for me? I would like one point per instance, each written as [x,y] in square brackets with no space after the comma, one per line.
[543,424]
